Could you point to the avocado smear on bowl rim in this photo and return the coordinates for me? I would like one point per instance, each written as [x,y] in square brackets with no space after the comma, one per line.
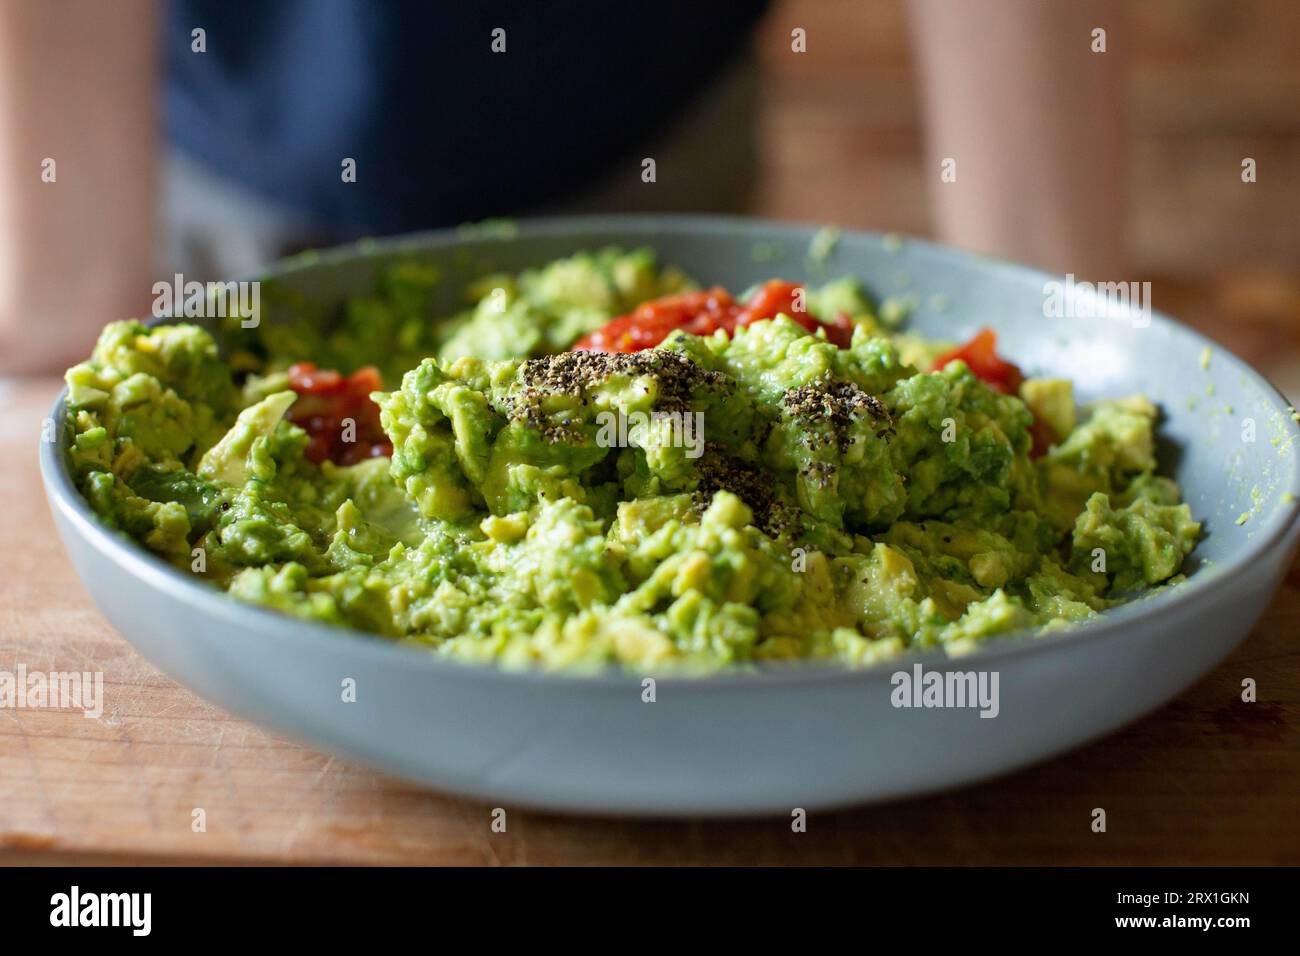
[852,491]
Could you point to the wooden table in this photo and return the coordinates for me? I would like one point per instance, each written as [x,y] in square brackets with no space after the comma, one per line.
[1207,780]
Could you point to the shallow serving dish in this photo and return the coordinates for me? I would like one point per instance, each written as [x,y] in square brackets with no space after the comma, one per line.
[801,736]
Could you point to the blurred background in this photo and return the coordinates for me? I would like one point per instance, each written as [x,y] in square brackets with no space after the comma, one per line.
[1207,83]
[198,137]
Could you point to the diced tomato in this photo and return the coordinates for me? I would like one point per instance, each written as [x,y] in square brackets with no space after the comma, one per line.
[772,298]
[307,379]
[980,355]
[650,323]
[703,313]
[840,330]
[326,400]
[1043,437]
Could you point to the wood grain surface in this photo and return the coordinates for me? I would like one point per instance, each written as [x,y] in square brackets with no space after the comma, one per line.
[1208,779]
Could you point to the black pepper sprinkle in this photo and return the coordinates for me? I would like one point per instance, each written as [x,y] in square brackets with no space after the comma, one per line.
[573,373]
[825,409]
[754,487]
[835,405]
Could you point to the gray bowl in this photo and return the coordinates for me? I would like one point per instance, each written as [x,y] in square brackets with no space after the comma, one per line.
[804,736]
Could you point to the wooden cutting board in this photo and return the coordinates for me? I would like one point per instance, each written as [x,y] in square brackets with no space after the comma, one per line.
[1207,780]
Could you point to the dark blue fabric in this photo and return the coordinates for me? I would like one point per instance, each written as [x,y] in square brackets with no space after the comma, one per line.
[443,130]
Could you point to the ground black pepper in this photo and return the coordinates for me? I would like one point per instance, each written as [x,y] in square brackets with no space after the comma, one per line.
[748,483]
[835,405]
[573,373]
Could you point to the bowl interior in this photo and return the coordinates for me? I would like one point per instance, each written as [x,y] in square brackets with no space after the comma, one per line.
[1227,435]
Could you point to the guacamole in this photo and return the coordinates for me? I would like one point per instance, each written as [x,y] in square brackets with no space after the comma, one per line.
[772,477]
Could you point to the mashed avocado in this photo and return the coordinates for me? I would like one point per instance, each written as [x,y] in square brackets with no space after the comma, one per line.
[758,495]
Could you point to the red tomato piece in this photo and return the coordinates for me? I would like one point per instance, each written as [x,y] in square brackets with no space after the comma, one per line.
[306,379]
[700,313]
[706,312]
[840,331]
[774,298]
[326,401]
[1043,437]
[980,355]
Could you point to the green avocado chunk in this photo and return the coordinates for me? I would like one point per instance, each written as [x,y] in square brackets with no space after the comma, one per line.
[719,500]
